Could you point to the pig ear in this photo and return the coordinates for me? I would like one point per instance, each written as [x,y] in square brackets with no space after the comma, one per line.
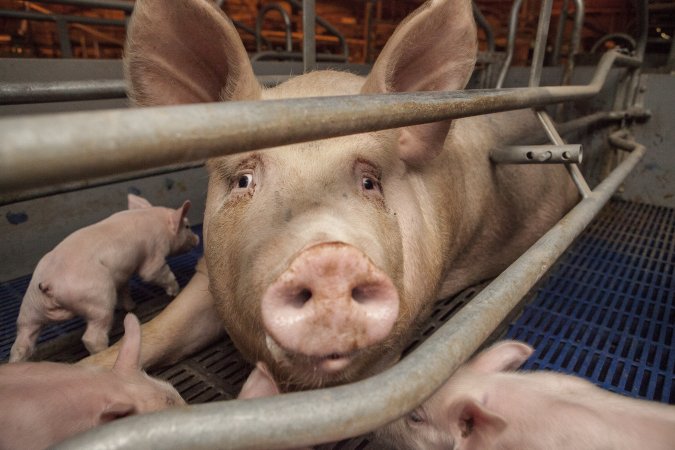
[176,219]
[434,49]
[260,383]
[477,424]
[136,202]
[129,357]
[501,357]
[114,411]
[185,51]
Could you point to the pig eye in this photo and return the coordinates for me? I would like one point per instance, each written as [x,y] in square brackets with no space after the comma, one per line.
[245,181]
[368,183]
[415,417]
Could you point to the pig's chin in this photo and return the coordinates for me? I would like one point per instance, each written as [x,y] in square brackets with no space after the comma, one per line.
[321,370]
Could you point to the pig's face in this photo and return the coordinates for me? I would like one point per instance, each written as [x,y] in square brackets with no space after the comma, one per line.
[321,256]
[317,220]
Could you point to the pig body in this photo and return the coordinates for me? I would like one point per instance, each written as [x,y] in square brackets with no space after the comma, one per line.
[486,405]
[322,258]
[44,403]
[88,271]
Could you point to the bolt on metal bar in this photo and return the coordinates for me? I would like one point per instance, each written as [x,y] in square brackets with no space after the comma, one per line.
[60,91]
[86,145]
[301,419]
[308,38]
[540,43]
[510,43]
[573,169]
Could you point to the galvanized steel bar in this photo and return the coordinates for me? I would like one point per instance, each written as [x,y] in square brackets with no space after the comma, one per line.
[60,91]
[326,415]
[86,145]
[510,43]
[308,35]
[540,43]
[560,31]
[573,169]
[537,154]
[575,42]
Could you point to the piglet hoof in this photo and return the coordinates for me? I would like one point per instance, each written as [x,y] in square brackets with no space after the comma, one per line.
[173,289]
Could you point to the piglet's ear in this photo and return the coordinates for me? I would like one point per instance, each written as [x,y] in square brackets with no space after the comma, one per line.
[176,218]
[136,202]
[434,49]
[501,357]
[129,358]
[259,383]
[185,51]
[478,426]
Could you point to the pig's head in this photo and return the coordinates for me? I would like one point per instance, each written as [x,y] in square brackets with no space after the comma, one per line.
[323,256]
[138,392]
[459,415]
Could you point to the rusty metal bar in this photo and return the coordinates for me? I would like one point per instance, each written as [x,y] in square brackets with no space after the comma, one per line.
[87,145]
[300,419]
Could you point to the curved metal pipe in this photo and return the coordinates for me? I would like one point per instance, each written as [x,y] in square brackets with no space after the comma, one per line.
[485,26]
[511,42]
[259,23]
[623,36]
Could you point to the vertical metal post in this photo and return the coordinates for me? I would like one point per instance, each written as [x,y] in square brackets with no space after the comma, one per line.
[579,14]
[64,38]
[560,32]
[511,42]
[643,22]
[308,41]
[540,43]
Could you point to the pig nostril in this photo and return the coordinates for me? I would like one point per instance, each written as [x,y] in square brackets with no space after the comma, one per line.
[362,294]
[302,297]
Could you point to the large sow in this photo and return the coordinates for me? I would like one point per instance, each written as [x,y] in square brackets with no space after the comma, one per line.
[322,258]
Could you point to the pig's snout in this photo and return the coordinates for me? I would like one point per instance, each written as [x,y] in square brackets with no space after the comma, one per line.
[330,302]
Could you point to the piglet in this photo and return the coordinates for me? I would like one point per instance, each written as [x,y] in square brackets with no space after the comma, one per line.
[486,405]
[86,273]
[261,383]
[43,403]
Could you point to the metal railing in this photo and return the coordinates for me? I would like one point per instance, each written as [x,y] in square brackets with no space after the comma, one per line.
[100,143]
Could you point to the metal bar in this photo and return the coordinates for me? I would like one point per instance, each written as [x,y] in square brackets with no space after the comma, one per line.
[259,24]
[573,169]
[540,43]
[74,146]
[272,54]
[643,23]
[627,38]
[60,91]
[579,13]
[103,4]
[301,419]
[29,15]
[324,23]
[485,26]
[537,154]
[308,32]
[511,43]
[64,37]
[560,31]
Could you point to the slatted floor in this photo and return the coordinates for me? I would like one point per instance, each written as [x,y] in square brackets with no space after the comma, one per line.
[605,312]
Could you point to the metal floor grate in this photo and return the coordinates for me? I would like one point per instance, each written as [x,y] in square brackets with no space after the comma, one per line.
[605,312]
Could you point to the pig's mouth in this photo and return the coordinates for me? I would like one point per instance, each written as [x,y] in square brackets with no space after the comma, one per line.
[326,365]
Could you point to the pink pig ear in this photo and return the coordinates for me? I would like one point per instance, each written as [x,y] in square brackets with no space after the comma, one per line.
[116,410]
[129,358]
[260,383]
[136,202]
[477,425]
[434,49]
[501,357]
[176,218]
[185,51]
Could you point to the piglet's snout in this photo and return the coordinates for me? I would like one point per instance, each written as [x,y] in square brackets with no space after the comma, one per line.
[331,301]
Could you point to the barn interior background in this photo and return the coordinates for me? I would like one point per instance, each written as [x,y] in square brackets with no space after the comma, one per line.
[605,312]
